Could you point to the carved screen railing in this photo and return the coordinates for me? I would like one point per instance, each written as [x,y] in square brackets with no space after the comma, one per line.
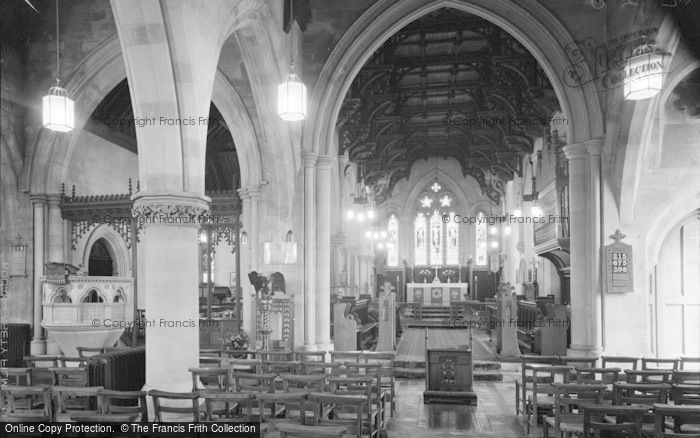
[280,320]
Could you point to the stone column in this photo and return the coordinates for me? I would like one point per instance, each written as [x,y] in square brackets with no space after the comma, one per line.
[253,231]
[323,250]
[364,274]
[309,162]
[339,260]
[56,229]
[595,333]
[38,346]
[583,340]
[170,245]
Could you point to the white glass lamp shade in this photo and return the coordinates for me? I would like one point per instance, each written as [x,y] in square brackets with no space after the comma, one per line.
[517,212]
[58,110]
[494,244]
[536,210]
[506,230]
[291,99]
[351,214]
[493,230]
[644,75]
[370,214]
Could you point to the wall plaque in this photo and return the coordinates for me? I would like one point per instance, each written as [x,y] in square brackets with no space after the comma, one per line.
[618,265]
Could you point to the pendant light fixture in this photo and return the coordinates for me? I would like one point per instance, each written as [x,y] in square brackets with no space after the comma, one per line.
[644,71]
[291,94]
[58,112]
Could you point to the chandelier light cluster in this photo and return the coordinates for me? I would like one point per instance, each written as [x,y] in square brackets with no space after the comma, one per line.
[58,110]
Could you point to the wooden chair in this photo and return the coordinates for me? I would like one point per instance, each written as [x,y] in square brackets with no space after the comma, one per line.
[210,352]
[379,396]
[74,399]
[365,387]
[66,361]
[91,351]
[348,411]
[210,362]
[641,394]
[41,375]
[274,355]
[281,406]
[310,356]
[388,380]
[19,402]
[679,416]
[213,379]
[248,382]
[71,376]
[689,363]
[525,382]
[568,414]
[243,365]
[682,394]
[622,362]
[159,408]
[648,376]
[614,419]
[129,403]
[303,383]
[651,363]
[327,368]
[281,366]
[686,377]
[297,430]
[21,376]
[239,407]
[542,393]
[346,356]
[604,376]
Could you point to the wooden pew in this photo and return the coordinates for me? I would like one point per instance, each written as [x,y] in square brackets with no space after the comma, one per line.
[354,328]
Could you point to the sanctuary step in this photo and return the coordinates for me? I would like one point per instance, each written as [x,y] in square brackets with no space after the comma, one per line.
[483,370]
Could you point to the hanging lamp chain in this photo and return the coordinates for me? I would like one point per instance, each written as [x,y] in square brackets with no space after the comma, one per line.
[58,50]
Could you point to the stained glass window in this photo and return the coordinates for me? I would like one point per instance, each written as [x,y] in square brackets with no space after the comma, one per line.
[452,241]
[392,241]
[420,248]
[436,230]
[481,240]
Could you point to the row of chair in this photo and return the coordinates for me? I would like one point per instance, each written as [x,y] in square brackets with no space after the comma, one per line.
[301,356]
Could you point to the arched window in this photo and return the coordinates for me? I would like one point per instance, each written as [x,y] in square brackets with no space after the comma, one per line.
[392,243]
[452,242]
[438,238]
[481,239]
[420,248]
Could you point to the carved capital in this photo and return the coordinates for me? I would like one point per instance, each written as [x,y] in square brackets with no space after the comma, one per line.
[309,159]
[326,162]
[171,210]
[38,199]
[577,151]
[594,146]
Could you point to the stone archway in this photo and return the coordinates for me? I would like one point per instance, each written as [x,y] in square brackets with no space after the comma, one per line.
[116,245]
[528,21]
[90,82]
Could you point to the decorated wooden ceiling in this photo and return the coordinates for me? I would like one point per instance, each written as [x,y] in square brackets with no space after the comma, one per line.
[448,85]
[113,120]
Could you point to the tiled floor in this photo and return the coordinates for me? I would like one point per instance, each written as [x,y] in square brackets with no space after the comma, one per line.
[494,414]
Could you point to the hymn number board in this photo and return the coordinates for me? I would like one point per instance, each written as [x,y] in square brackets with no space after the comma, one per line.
[618,265]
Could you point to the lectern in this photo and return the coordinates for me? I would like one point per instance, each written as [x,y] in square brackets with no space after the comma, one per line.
[449,374]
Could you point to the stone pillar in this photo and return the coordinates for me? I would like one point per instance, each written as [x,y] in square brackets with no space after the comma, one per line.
[56,229]
[253,231]
[170,243]
[364,274]
[339,261]
[583,333]
[323,250]
[38,346]
[595,242]
[309,162]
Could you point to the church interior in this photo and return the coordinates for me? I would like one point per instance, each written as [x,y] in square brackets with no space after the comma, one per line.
[352,218]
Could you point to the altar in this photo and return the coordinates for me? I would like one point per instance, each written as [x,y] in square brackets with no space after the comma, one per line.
[436,294]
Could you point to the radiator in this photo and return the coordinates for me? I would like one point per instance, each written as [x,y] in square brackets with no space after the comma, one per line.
[121,370]
[16,340]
